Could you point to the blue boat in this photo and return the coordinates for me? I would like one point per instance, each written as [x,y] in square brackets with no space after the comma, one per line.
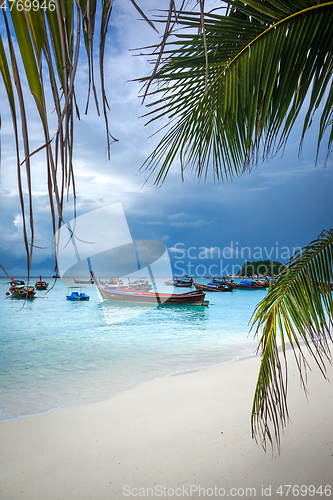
[74,293]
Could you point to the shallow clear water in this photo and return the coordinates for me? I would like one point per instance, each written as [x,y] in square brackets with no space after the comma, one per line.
[56,353]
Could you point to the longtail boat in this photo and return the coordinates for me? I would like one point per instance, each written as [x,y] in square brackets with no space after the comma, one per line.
[244,284]
[41,285]
[118,294]
[138,284]
[183,282]
[249,285]
[168,282]
[22,291]
[83,282]
[214,287]
[216,279]
[114,281]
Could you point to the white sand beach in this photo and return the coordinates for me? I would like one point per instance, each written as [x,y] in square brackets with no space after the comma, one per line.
[184,436]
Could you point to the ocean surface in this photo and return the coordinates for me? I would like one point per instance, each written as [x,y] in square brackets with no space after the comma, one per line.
[55,353]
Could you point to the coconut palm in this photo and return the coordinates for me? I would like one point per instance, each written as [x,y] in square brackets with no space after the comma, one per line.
[232,84]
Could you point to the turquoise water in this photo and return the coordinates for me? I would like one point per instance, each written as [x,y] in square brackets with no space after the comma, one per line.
[56,353]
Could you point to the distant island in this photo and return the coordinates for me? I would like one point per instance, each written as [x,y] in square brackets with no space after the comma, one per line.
[261,268]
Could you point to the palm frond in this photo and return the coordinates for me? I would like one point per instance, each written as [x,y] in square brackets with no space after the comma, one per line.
[231,97]
[298,310]
[51,37]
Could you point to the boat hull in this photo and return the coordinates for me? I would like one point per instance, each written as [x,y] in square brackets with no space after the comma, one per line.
[253,286]
[23,294]
[68,297]
[41,287]
[120,295]
[213,288]
[74,293]
[83,282]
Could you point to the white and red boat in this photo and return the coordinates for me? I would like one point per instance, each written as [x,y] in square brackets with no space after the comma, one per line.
[118,294]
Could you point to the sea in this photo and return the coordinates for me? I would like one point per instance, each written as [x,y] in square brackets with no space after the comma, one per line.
[56,353]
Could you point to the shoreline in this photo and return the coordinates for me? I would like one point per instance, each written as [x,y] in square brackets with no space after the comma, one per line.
[180,433]
[173,374]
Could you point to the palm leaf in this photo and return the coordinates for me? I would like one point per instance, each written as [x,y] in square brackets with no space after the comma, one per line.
[51,36]
[266,62]
[298,310]
[28,56]
[11,98]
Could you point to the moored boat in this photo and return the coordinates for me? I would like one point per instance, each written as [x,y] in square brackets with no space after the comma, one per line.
[74,293]
[244,284]
[83,282]
[168,282]
[250,284]
[118,294]
[138,284]
[20,291]
[115,281]
[217,279]
[185,282]
[213,287]
[41,285]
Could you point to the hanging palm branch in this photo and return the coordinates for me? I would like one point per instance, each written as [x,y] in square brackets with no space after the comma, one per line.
[298,310]
[232,95]
[231,98]
[50,35]
[45,53]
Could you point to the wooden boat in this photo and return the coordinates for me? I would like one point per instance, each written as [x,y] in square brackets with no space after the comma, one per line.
[139,284]
[41,285]
[74,293]
[111,281]
[19,291]
[244,284]
[16,282]
[118,294]
[214,287]
[217,280]
[249,284]
[115,281]
[83,282]
[168,282]
[183,282]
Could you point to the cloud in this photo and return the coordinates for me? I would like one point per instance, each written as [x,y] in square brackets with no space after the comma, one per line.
[198,223]
[180,215]
[18,221]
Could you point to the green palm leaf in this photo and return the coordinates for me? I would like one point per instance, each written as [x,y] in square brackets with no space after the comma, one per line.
[28,56]
[231,97]
[298,310]
[266,62]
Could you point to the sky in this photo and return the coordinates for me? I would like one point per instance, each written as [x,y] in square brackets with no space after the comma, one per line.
[208,228]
